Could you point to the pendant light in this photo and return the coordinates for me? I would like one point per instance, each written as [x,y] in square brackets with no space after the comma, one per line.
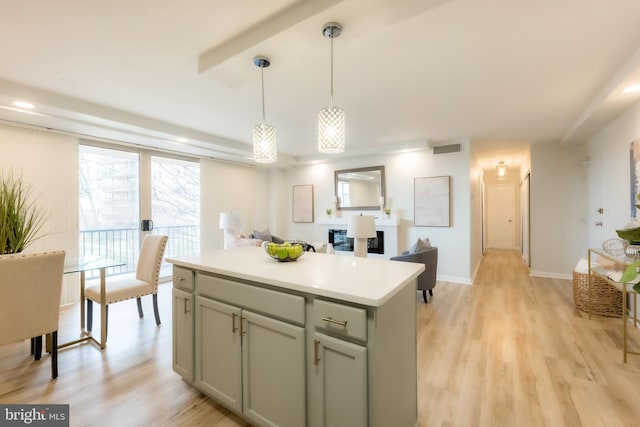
[331,120]
[264,135]
[501,171]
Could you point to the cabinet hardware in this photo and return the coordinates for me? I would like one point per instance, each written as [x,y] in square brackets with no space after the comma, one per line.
[242,330]
[598,223]
[600,210]
[316,358]
[332,320]
[186,305]
[178,278]
[233,323]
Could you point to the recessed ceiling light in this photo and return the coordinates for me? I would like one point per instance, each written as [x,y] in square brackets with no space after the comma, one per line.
[183,140]
[633,88]
[22,104]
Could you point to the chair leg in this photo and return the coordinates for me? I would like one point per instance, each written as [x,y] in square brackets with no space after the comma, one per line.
[155,309]
[140,313]
[431,292]
[106,322]
[54,354]
[424,296]
[89,314]
[38,349]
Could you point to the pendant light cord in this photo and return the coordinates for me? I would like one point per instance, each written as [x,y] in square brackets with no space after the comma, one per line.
[332,72]
[262,78]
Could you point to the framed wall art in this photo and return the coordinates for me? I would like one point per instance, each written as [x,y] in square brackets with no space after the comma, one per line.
[431,201]
[635,176]
[303,203]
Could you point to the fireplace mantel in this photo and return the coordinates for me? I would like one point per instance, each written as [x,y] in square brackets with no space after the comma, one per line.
[390,226]
[380,222]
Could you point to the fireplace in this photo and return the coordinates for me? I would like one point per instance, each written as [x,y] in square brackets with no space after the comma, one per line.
[338,238]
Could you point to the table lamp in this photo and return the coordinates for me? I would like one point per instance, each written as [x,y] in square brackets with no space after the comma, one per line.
[229,222]
[361,227]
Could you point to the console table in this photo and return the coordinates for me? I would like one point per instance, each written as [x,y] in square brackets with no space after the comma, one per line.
[613,278]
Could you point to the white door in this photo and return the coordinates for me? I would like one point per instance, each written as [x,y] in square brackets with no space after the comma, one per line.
[501,233]
[524,207]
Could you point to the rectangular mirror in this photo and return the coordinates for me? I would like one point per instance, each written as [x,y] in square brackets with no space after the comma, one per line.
[360,189]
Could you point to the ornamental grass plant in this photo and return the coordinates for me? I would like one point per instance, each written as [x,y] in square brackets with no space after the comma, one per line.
[20,218]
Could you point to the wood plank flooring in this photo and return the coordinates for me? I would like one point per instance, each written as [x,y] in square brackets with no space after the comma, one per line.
[510,350]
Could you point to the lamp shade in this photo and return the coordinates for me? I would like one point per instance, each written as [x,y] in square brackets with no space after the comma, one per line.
[361,226]
[331,130]
[264,144]
[229,221]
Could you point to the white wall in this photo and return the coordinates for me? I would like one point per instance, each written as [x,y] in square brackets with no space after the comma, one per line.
[400,170]
[49,164]
[558,209]
[609,183]
[226,187]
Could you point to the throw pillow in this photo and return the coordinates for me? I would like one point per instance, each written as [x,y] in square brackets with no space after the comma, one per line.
[426,242]
[276,239]
[418,246]
[262,235]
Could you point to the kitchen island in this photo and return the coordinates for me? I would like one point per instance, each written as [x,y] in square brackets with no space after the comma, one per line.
[323,341]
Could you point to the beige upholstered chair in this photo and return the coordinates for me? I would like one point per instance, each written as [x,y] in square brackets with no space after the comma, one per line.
[30,287]
[126,288]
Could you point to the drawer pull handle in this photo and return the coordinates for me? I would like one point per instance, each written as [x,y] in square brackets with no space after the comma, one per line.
[186,306]
[242,329]
[316,358]
[178,278]
[233,323]
[332,320]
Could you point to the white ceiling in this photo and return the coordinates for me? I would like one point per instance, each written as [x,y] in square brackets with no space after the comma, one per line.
[500,72]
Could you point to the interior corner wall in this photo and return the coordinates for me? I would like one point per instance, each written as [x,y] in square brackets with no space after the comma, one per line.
[558,209]
[225,187]
[476,179]
[48,163]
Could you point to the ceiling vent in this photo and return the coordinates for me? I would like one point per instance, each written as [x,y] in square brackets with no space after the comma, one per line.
[443,149]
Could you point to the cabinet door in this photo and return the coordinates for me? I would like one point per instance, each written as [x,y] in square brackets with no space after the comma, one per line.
[218,357]
[339,382]
[273,371]
[182,333]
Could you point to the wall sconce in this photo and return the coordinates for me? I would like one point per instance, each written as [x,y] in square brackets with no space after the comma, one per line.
[229,222]
[361,227]
[501,170]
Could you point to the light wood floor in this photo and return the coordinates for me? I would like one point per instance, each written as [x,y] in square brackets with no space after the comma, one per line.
[508,351]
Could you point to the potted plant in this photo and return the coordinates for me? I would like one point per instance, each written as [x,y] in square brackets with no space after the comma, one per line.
[387,212]
[329,211]
[20,219]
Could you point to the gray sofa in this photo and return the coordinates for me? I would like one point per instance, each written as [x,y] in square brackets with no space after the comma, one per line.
[426,279]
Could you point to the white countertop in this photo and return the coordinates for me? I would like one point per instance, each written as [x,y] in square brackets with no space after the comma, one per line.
[366,281]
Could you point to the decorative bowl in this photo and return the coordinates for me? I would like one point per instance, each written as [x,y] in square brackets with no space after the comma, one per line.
[283,252]
[631,235]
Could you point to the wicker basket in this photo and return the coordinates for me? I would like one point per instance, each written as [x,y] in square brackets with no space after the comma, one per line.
[606,300]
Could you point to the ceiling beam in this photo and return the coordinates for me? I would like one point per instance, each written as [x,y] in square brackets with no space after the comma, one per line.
[269,27]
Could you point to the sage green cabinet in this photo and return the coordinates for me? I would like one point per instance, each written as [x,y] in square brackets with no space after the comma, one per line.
[218,347]
[252,364]
[182,322]
[182,333]
[339,382]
